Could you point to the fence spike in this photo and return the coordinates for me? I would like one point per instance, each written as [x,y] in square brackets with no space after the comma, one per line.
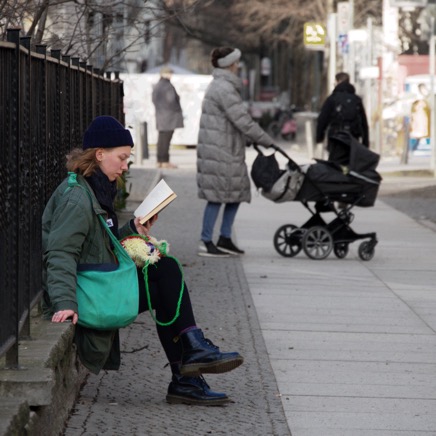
[25,41]
[13,35]
[41,49]
[56,54]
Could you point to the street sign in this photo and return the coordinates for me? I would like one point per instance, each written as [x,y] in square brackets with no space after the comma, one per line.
[369,72]
[265,66]
[314,35]
[344,17]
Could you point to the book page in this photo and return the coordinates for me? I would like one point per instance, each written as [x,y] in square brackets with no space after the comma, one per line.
[160,196]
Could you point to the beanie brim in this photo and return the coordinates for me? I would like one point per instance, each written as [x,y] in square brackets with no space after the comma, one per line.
[112,138]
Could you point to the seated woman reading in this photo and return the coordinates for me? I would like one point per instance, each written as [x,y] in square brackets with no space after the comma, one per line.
[73,236]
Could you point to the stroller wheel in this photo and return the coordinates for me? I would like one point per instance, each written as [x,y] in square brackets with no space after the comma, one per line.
[340,250]
[287,240]
[317,243]
[366,250]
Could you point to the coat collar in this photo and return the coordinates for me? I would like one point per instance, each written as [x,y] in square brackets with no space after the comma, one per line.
[223,74]
[345,87]
[98,210]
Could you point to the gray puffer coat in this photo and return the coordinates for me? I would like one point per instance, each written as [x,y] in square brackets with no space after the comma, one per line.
[225,128]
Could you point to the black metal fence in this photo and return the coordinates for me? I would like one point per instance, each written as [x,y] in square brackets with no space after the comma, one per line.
[46,103]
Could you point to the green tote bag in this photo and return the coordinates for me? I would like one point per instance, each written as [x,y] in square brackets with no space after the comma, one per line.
[107,300]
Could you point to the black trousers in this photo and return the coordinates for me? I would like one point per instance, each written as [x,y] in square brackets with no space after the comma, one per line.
[164,282]
[163,145]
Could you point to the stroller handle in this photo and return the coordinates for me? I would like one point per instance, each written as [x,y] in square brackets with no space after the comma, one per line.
[291,163]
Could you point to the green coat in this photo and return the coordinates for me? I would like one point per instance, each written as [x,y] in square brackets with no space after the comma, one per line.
[72,235]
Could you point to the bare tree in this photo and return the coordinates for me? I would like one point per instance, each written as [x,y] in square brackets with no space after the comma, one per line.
[98,31]
[104,32]
[268,28]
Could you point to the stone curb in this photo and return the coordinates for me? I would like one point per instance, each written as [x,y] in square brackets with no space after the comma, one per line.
[37,398]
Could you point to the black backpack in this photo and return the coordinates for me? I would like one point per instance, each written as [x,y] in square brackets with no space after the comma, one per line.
[347,115]
[265,171]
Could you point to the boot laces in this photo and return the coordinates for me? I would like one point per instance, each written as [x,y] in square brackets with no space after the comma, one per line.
[210,343]
[198,381]
[203,382]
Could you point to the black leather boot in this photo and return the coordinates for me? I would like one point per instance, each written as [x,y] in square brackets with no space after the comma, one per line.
[201,356]
[192,390]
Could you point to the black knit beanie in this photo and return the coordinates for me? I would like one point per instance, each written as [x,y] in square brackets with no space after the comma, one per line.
[106,132]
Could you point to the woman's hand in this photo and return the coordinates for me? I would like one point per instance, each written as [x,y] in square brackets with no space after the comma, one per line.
[143,229]
[63,315]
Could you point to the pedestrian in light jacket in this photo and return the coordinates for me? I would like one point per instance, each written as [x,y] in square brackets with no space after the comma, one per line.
[225,129]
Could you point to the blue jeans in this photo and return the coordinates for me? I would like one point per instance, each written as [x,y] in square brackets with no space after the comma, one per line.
[210,216]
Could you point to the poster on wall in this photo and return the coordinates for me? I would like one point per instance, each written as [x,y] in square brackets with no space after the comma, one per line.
[419,143]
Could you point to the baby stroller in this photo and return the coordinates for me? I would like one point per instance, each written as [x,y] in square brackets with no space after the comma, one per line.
[348,178]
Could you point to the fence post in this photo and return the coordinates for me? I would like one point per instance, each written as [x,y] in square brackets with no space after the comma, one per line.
[42,101]
[13,35]
[56,116]
[25,198]
[119,100]
[77,121]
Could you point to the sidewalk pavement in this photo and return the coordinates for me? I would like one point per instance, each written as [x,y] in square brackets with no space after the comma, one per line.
[338,347]
[352,343]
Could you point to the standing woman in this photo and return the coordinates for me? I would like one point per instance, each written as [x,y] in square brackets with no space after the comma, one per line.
[225,128]
[74,239]
[169,115]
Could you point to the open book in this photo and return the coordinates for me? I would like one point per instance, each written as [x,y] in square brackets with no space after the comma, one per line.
[160,197]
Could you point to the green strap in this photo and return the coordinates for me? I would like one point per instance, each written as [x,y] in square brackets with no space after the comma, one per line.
[147,291]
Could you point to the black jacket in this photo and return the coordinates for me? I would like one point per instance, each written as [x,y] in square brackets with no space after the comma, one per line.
[326,116]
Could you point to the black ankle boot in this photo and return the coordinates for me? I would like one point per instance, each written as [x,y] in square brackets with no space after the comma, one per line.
[194,391]
[201,356]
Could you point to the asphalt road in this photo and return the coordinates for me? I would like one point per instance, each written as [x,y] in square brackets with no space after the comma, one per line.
[417,202]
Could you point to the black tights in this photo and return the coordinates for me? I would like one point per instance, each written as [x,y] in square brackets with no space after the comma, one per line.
[164,282]
[163,145]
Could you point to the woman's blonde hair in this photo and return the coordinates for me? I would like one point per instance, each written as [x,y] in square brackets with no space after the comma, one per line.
[82,161]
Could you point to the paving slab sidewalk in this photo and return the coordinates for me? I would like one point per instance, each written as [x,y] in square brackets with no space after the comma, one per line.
[352,343]
[336,347]
[132,400]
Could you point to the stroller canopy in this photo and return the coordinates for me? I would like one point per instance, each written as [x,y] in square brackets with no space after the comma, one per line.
[348,151]
[348,176]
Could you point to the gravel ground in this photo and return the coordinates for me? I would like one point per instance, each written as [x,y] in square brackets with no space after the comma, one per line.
[415,197]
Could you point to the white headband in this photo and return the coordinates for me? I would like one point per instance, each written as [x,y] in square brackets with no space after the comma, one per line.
[230,59]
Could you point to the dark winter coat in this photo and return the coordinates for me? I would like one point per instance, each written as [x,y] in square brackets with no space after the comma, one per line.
[327,118]
[225,128]
[166,101]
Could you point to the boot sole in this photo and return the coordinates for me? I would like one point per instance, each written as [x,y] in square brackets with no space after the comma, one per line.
[173,399]
[196,369]
[229,251]
[206,254]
